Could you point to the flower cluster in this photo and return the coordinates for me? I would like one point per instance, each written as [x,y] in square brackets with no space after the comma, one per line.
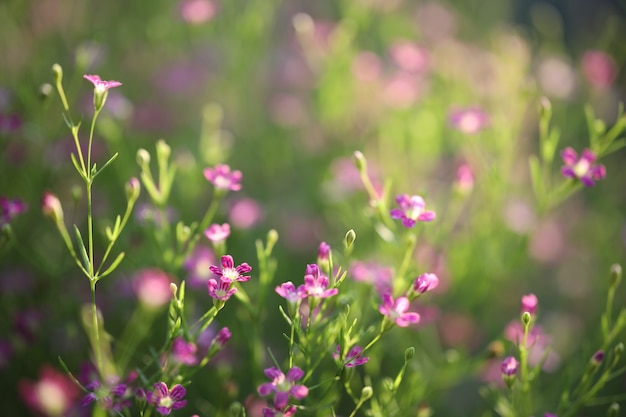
[411,210]
[582,168]
[222,288]
[353,358]
[283,386]
[223,179]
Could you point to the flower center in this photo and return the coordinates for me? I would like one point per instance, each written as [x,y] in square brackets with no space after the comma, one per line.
[582,168]
[230,273]
[166,402]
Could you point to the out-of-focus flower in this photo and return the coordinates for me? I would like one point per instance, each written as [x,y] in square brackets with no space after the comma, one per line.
[556,77]
[221,290]
[401,89]
[51,207]
[228,272]
[599,69]
[469,120]
[529,303]
[323,252]
[223,336]
[464,182]
[287,411]
[108,396]
[366,66]
[582,168]
[509,366]
[353,358]
[425,282]
[9,209]
[152,287]
[409,56]
[222,178]
[245,213]
[198,266]
[411,210]
[147,214]
[283,386]
[52,395]
[197,11]
[165,399]
[397,310]
[184,352]
[316,284]
[372,273]
[6,351]
[216,233]
[289,292]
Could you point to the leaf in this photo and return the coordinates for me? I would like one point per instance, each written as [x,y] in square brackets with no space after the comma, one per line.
[96,172]
[78,168]
[113,265]
[81,249]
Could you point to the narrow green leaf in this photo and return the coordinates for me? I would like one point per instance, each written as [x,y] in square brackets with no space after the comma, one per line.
[78,168]
[81,248]
[113,265]
[96,172]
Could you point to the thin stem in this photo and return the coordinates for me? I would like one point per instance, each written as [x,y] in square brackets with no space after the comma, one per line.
[96,329]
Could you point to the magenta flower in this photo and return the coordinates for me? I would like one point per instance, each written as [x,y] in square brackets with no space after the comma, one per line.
[287,411]
[283,386]
[323,252]
[229,272]
[509,366]
[464,181]
[353,358]
[289,291]
[216,233]
[184,352]
[583,167]
[101,86]
[373,273]
[397,311]
[316,284]
[411,210]
[152,287]
[222,178]
[529,303]
[52,394]
[221,290]
[469,120]
[425,282]
[9,209]
[167,400]
[223,336]
[108,397]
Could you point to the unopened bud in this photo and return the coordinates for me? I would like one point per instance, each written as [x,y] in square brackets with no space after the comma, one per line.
[359,161]
[613,410]
[409,353]
[51,207]
[143,157]
[133,189]
[597,358]
[544,106]
[616,275]
[173,289]
[350,238]
[619,349]
[366,393]
[526,318]
[44,91]
[163,149]
[57,73]
[272,238]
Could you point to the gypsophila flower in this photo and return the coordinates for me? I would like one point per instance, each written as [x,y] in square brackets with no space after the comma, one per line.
[216,233]
[469,120]
[529,303]
[229,272]
[9,209]
[411,210]
[223,336]
[184,352]
[323,252]
[289,292]
[101,89]
[425,282]
[397,311]
[509,366]
[287,411]
[353,358]
[166,400]
[222,178]
[316,284]
[582,168]
[198,266]
[283,386]
[108,396]
[221,290]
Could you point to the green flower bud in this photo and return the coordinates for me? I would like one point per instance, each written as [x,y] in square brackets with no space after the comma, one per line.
[616,275]
[143,158]
[359,161]
[350,238]
[57,73]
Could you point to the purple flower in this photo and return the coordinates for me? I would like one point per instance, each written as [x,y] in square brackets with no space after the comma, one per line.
[223,336]
[469,120]
[229,272]
[167,400]
[597,357]
[323,252]
[289,291]
[425,282]
[397,311]
[283,386]
[583,167]
[221,290]
[411,210]
[184,352]
[9,209]
[198,266]
[222,178]
[216,233]
[108,397]
[316,284]
[353,358]
[529,303]
[509,366]
[101,86]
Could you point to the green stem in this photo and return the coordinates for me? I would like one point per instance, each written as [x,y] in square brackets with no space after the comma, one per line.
[96,329]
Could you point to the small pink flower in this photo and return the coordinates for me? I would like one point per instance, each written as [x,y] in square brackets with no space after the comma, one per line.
[469,120]
[165,399]
[51,207]
[53,394]
[289,292]
[9,209]
[223,336]
[464,179]
[397,311]
[198,266]
[409,56]
[582,168]
[100,85]
[228,272]
[221,290]
[316,284]
[323,252]
[245,213]
[216,233]
[353,358]
[425,282]
[197,11]
[373,273]
[283,386]
[152,287]
[411,210]
[599,69]
[529,303]
[184,352]
[222,178]
[509,366]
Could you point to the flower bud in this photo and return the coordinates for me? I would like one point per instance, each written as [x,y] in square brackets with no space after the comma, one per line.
[359,161]
[163,150]
[57,73]
[350,238]
[616,275]
[526,318]
[613,410]
[133,189]
[409,353]
[143,158]
[366,393]
[45,90]
[508,370]
[51,207]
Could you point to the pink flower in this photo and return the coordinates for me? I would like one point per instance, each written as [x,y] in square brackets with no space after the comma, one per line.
[289,292]
[52,395]
[316,284]
[197,11]
[100,85]
[245,213]
[283,386]
[152,287]
[464,179]
[51,207]
[167,400]
[411,210]
[222,178]
[599,69]
[323,252]
[198,266]
[9,209]
[469,120]
[184,352]
[373,273]
[425,282]
[221,290]
[397,311]
[216,233]
[110,396]
[228,272]
[529,303]
[409,56]
[286,411]
[509,366]
[353,358]
[582,168]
